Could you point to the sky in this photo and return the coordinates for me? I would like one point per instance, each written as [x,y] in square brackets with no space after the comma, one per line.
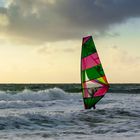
[40,40]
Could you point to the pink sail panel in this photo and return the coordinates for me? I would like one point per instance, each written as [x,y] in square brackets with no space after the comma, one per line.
[86,94]
[86,39]
[101,91]
[90,61]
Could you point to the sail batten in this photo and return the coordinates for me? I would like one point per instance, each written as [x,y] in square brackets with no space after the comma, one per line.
[93,80]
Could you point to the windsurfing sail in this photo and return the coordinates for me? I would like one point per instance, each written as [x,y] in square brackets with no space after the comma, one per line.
[93,80]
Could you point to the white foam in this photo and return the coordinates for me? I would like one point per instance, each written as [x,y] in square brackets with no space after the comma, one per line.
[28,95]
[29,99]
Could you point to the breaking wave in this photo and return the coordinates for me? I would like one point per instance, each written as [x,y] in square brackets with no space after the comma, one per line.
[27,95]
[28,98]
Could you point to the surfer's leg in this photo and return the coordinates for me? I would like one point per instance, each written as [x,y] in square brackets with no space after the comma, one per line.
[94,107]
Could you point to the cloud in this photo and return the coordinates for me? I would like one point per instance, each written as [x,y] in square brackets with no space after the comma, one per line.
[121,65]
[53,20]
[123,59]
[51,48]
[44,49]
[3,20]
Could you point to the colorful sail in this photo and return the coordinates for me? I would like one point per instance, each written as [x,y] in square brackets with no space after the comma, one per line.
[93,80]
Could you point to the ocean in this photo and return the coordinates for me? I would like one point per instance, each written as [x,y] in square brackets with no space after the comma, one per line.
[56,112]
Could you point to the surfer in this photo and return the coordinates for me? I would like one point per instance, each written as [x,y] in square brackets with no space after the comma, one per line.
[93,90]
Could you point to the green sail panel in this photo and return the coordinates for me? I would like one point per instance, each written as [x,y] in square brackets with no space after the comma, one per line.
[88,48]
[93,73]
[89,102]
[93,80]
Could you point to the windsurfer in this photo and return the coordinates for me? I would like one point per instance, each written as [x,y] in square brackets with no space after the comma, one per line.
[93,90]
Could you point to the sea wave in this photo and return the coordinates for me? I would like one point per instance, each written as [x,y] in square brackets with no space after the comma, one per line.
[29,95]
[71,88]
[56,114]
[29,99]
[95,122]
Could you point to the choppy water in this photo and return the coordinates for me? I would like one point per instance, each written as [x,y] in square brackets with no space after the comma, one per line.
[55,114]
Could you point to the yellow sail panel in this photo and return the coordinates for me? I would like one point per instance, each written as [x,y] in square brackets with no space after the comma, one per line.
[102,80]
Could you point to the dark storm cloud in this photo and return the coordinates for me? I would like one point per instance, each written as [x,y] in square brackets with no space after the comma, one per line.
[52,20]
